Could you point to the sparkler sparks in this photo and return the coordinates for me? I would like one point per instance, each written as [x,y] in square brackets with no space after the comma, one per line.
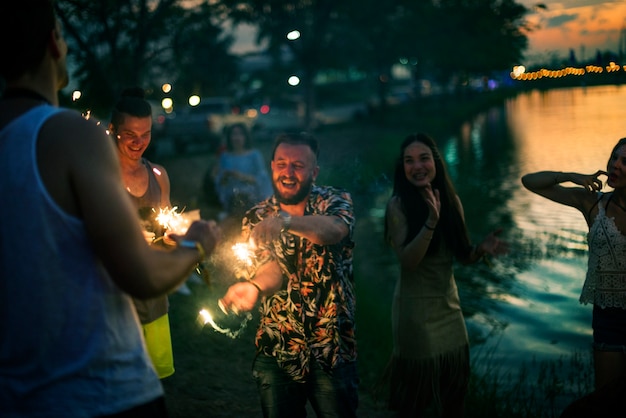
[174,222]
[205,318]
[244,256]
[243,253]
[177,223]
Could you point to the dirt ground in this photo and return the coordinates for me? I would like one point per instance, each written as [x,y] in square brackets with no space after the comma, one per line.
[213,375]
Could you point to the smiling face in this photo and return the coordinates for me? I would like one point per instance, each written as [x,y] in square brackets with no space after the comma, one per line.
[616,168]
[133,136]
[294,169]
[419,165]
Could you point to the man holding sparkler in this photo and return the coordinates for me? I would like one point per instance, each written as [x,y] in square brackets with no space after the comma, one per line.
[72,250]
[302,271]
[149,187]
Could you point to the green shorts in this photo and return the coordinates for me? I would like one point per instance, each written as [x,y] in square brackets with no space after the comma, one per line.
[159,345]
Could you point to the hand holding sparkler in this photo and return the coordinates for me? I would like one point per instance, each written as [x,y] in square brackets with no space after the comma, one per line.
[223,322]
[174,222]
[207,234]
[242,296]
[149,236]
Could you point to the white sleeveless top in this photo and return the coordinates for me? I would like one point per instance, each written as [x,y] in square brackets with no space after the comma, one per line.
[605,284]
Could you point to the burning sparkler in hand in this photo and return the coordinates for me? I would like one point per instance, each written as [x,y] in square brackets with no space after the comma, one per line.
[177,223]
[174,222]
[239,322]
[232,322]
[243,255]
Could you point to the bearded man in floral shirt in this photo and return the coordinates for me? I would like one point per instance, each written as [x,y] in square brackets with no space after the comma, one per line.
[302,274]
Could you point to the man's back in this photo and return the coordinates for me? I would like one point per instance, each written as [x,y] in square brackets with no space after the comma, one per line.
[71,246]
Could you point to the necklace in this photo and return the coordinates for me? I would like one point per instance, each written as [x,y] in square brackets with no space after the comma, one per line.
[22,93]
[616,204]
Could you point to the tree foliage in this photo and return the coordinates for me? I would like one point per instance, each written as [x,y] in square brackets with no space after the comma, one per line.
[324,33]
[477,36]
[119,43]
[445,38]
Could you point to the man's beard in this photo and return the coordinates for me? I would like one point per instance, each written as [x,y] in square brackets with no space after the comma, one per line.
[301,194]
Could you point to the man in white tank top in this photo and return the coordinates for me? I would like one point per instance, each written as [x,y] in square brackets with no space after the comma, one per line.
[71,252]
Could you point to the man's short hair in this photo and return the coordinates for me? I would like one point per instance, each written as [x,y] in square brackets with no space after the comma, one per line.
[300,138]
[131,103]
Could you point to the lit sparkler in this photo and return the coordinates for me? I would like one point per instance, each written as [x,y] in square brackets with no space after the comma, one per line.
[174,222]
[244,256]
[178,223]
[243,253]
[205,317]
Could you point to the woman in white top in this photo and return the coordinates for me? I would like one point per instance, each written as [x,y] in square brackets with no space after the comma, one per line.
[605,284]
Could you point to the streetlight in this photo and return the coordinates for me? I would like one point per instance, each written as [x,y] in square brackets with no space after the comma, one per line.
[194,100]
[167,104]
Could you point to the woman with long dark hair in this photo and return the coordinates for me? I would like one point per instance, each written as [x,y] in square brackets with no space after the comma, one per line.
[425,226]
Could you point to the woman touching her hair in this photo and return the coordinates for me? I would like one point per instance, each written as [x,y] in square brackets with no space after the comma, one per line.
[605,282]
[425,226]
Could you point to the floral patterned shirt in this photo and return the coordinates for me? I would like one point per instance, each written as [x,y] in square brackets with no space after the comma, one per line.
[313,314]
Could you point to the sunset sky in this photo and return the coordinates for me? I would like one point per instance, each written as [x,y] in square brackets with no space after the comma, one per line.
[582,25]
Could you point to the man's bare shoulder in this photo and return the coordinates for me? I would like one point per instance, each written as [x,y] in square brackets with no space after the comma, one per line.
[70,121]
[69,128]
[158,166]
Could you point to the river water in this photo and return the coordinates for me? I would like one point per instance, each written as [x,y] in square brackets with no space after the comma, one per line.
[530,297]
[522,310]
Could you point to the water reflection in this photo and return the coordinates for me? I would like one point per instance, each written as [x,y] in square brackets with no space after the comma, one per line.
[538,284]
[530,296]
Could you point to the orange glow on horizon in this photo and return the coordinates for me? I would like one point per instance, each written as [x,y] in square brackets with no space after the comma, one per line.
[584,29]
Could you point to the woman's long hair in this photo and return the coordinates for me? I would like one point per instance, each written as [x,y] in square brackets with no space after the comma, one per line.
[451,227]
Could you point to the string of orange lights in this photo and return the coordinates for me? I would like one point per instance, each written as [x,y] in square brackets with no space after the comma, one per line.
[519,72]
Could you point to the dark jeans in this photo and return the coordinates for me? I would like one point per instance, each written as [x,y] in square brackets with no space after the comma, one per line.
[330,396]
